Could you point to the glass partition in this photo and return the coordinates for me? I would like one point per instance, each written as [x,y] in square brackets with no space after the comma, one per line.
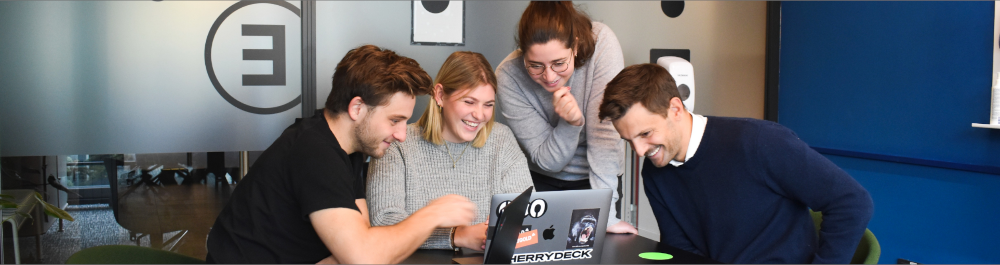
[163,200]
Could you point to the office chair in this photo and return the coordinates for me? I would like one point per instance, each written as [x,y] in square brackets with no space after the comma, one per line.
[125,254]
[868,249]
[141,220]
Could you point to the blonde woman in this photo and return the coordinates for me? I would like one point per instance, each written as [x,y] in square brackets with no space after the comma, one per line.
[455,148]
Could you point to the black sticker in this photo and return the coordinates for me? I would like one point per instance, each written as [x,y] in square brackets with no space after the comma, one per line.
[583,228]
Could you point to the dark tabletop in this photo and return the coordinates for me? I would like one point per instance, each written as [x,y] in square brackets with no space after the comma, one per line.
[618,248]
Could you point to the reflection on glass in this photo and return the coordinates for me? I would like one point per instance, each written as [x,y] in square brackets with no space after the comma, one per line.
[166,200]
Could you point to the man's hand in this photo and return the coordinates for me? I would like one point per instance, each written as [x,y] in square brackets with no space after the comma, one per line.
[622,227]
[350,237]
[449,211]
[471,236]
[566,107]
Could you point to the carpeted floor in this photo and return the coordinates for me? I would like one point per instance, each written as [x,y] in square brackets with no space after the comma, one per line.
[94,226]
[189,208]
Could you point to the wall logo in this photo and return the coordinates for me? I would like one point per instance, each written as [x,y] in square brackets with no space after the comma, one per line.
[276,54]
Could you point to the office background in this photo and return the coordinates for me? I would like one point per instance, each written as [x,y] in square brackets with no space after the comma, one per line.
[897,78]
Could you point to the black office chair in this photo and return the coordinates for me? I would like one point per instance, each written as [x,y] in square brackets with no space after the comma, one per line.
[141,220]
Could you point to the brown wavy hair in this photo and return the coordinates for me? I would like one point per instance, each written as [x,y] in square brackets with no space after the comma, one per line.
[375,74]
[543,21]
[647,83]
[462,71]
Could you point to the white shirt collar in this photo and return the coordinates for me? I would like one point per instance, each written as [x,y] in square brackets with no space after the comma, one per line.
[697,131]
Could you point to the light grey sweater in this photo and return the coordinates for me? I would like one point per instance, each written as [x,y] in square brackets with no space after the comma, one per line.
[553,146]
[415,172]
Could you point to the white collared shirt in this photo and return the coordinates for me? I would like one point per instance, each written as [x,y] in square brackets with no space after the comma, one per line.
[697,131]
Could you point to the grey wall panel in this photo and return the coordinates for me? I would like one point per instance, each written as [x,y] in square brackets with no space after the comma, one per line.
[130,77]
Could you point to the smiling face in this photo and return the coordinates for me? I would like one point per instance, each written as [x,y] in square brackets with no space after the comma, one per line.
[543,58]
[383,125]
[658,138]
[465,112]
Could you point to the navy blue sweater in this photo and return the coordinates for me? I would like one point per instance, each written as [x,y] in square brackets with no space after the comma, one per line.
[743,198]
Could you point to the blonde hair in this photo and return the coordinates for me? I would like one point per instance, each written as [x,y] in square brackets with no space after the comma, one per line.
[462,70]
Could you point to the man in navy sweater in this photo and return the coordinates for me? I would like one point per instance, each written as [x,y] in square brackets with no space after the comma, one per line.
[736,190]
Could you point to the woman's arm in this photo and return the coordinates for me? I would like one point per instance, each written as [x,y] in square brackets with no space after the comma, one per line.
[550,147]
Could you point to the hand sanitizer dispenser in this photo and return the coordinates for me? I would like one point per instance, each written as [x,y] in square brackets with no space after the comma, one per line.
[683,73]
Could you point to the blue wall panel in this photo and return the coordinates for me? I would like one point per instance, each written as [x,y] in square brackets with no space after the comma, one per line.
[901,79]
[930,215]
[895,78]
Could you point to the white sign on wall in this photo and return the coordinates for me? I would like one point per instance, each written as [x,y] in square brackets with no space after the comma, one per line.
[438,23]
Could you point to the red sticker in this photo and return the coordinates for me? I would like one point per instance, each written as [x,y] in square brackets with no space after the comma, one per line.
[527,238]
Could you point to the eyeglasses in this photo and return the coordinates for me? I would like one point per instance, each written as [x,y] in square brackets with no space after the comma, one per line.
[539,69]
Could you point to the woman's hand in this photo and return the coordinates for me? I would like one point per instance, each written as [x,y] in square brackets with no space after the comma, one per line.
[566,107]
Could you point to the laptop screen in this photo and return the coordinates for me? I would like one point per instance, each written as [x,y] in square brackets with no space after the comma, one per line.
[507,228]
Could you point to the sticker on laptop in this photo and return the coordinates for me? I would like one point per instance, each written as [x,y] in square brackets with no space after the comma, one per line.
[527,238]
[558,255]
[583,227]
[535,209]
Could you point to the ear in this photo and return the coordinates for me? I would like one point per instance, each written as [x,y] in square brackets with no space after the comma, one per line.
[576,45]
[438,94]
[357,109]
[676,107]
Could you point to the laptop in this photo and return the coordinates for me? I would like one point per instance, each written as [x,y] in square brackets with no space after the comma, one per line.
[556,227]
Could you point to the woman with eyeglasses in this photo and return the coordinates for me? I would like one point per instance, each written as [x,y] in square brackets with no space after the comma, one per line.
[455,148]
[550,90]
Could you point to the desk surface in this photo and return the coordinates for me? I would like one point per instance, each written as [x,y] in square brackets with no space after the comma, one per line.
[617,249]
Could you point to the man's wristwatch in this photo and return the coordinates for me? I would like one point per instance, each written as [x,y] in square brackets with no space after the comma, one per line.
[454,247]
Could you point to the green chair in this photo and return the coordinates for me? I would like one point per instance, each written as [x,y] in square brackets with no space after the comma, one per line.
[126,254]
[868,249]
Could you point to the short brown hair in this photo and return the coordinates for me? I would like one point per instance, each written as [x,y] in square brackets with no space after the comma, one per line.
[649,84]
[375,74]
[461,71]
[543,21]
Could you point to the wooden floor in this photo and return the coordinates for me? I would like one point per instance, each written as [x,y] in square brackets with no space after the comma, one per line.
[185,212]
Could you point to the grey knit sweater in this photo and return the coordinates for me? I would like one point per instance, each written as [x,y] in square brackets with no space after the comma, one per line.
[415,172]
[555,148]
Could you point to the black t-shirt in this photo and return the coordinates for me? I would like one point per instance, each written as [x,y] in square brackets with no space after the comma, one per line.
[267,217]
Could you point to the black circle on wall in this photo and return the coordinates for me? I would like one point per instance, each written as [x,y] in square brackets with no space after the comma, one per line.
[672,8]
[435,6]
[211,70]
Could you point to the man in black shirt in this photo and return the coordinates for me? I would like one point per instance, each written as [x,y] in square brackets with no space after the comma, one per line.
[303,200]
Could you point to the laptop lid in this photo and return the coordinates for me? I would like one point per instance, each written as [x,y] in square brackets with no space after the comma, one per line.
[557,227]
[507,228]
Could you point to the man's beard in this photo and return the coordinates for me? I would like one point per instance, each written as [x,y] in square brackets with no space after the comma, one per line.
[367,139]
